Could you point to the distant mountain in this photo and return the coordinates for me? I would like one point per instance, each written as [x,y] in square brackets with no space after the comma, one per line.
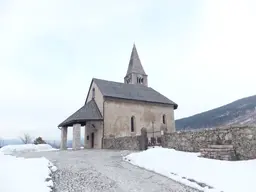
[56,144]
[240,112]
[11,142]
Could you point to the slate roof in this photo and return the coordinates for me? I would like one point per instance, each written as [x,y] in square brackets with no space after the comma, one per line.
[89,111]
[131,92]
[135,65]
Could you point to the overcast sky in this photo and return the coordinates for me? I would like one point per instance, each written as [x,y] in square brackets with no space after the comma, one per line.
[200,54]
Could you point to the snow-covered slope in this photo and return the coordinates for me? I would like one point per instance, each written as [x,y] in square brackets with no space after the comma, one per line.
[25,175]
[204,174]
[11,149]
[240,112]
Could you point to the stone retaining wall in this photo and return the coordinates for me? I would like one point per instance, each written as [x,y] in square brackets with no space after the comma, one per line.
[243,140]
[122,143]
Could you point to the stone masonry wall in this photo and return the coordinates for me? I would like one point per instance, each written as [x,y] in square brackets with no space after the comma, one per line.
[118,113]
[243,140]
[122,143]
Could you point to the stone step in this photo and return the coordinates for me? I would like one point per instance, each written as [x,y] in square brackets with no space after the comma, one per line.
[220,146]
[221,152]
[212,153]
[218,153]
[217,156]
[215,150]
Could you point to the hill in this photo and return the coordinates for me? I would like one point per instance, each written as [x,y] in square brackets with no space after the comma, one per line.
[11,142]
[240,112]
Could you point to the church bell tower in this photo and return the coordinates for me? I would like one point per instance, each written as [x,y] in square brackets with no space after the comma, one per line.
[135,72]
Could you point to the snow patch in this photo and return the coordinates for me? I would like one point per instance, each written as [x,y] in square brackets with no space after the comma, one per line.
[11,149]
[200,173]
[25,175]
[70,148]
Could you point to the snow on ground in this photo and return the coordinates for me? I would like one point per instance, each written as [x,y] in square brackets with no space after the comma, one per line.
[70,148]
[191,170]
[25,175]
[11,149]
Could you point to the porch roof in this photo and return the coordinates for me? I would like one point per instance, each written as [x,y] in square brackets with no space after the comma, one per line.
[89,111]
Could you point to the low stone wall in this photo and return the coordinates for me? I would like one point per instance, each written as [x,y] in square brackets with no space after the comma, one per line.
[243,140]
[122,143]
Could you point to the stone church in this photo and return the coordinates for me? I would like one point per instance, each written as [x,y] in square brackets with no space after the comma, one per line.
[114,109]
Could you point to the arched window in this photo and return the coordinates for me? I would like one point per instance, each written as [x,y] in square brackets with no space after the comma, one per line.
[139,80]
[132,124]
[93,93]
[164,120]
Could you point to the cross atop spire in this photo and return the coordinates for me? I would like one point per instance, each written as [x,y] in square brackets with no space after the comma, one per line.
[135,73]
[135,64]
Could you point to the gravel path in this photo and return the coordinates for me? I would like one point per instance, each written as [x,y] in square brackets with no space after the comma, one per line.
[104,170]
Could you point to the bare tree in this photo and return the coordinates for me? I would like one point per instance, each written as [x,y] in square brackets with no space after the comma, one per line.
[26,139]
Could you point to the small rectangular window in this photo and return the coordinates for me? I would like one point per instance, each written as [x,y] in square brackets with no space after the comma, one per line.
[87,137]
[93,93]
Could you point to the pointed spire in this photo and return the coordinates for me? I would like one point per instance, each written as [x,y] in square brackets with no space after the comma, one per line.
[135,64]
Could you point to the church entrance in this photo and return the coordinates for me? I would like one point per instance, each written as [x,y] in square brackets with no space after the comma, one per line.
[154,137]
[92,140]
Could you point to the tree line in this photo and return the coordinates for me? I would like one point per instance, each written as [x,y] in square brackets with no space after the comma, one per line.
[27,139]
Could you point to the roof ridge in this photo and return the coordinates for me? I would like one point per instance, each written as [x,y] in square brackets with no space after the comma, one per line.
[120,82]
